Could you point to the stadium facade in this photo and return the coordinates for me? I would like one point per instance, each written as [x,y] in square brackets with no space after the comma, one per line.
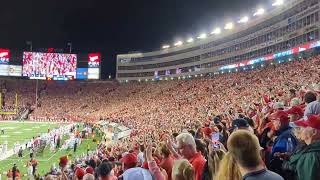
[284,30]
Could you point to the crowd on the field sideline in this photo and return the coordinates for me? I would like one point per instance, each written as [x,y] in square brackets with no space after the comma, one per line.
[260,124]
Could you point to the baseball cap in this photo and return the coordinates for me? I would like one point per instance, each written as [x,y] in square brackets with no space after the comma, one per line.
[63,161]
[312,121]
[240,123]
[137,173]
[80,173]
[295,102]
[89,170]
[282,116]
[207,131]
[129,159]
[278,105]
[295,110]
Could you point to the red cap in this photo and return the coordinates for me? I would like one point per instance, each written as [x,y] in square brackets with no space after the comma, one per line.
[207,131]
[89,170]
[129,160]
[80,173]
[63,161]
[281,116]
[312,121]
[295,110]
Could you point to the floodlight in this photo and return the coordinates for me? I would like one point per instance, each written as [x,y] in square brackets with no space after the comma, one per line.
[278,3]
[229,26]
[202,36]
[165,46]
[259,12]
[244,19]
[216,31]
[190,40]
[179,43]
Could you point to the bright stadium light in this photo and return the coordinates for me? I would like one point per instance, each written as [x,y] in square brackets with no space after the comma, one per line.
[229,26]
[190,40]
[216,31]
[179,43]
[202,36]
[165,46]
[259,12]
[278,3]
[244,19]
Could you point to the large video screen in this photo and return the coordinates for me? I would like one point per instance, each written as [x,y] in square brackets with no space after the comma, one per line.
[54,66]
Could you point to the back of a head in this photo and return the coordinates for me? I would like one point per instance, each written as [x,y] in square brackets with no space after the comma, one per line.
[182,170]
[104,169]
[88,177]
[137,173]
[310,97]
[186,139]
[244,147]
[164,150]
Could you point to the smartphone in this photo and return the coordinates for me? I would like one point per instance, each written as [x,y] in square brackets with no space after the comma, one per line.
[215,139]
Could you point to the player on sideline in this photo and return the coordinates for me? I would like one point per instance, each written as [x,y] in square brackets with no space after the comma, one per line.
[20,153]
[2,131]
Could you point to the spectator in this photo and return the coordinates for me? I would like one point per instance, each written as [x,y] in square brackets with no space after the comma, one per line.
[245,149]
[241,123]
[79,173]
[228,169]
[104,172]
[167,160]
[183,170]
[305,161]
[187,148]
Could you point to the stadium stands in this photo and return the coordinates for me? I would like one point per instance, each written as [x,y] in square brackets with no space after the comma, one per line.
[225,123]
[200,106]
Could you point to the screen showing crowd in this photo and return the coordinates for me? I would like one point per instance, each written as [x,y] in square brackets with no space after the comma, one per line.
[49,65]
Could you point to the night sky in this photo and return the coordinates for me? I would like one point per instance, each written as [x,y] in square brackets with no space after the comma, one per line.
[113,27]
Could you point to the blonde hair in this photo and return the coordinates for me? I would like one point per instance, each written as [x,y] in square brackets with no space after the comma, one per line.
[228,169]
[245,148]
[214,161]
[182,170]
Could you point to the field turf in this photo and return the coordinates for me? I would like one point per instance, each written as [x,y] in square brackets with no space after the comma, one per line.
[23,131]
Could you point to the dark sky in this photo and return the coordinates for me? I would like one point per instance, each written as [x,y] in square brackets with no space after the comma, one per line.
[113,26]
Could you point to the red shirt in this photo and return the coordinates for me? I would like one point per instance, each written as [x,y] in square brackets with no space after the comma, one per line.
[198,162]
[167,164]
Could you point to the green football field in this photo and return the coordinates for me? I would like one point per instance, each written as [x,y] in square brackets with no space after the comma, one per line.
[45,159]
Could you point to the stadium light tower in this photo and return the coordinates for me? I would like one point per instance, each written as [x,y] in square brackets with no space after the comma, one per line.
[165,46]
[229,26]
[278,3]
[202,36]
[259,12]
[190,40]
[244,19]
[216,31]
[179,43]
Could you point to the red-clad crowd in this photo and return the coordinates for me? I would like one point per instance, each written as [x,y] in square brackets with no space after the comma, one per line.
[257,124]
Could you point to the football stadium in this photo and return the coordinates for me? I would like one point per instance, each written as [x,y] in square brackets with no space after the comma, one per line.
[239,101]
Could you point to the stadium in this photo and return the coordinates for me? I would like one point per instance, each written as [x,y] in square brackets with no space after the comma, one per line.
[239,102]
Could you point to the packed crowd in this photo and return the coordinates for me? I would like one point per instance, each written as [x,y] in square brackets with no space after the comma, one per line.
[230,126]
